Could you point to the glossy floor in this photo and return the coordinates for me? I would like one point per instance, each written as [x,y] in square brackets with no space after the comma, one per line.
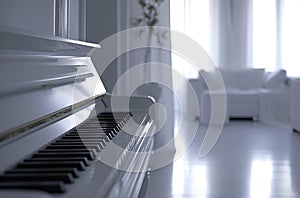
[249,160]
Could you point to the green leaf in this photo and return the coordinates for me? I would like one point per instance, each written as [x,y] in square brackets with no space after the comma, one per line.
[151,7]
[142,3]
[153,22]
[136,21]
[147,15]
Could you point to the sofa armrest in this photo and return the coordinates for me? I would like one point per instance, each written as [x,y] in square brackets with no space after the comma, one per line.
[198,85]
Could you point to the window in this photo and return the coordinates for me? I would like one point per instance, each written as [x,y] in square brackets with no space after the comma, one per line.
[264,35]
[190,17]
[276,35]
[290,32]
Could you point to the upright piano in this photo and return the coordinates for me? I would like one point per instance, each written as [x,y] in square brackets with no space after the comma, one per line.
[59,135]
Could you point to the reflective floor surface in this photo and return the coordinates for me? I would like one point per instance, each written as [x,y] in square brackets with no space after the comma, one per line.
[249,160]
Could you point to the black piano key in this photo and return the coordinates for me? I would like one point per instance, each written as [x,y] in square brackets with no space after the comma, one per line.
[92,151]
[72,171]
[93,130]
[100,125]
[111,133]
[53,146]
[51,187]
[86,138]
[56,164]
[114,133]
[88,134]
[111,114]
[16,177]
[97,124]
[86,141]
[92,133]
[103,128]
[111,119]
[106,125]
[97,137]
[79,143]
[105,120]
[108,119]
[83,136]
[86,154]
[84,160]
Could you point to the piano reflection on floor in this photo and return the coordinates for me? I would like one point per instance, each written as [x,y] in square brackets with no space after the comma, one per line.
[58,134]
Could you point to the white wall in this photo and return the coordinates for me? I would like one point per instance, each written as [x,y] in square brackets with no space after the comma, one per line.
[33,15]
[101,22]
[38,16]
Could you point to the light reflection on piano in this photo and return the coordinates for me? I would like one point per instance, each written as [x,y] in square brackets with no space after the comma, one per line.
[57,143]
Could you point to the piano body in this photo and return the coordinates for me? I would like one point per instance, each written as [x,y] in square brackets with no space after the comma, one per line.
[58,136]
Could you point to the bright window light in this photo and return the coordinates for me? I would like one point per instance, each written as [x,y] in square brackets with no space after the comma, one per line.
[291,37]
[264,34]
[261,178]
[190,17]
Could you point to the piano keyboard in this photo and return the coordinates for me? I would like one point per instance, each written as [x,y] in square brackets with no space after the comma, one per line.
[60,162]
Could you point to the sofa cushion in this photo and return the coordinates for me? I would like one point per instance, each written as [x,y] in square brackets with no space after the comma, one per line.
[210,78]
[230,78]
[249,96]
[275,80]
[245,79]
[250,79]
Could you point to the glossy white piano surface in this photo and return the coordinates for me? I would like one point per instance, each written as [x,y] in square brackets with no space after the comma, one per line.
[48,86]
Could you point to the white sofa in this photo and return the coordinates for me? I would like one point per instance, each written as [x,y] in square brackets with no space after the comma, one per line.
[245,92]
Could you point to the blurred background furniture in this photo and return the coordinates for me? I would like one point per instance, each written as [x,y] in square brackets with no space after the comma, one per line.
[295,104]
[249,93]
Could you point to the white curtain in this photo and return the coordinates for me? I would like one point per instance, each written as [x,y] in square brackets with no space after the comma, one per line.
[242,33]
[190,17]
[290,36]
[221,27]
[265,35]
[231,33]
[276,33]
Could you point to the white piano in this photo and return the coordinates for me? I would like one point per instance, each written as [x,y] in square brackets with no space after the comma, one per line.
[58,136]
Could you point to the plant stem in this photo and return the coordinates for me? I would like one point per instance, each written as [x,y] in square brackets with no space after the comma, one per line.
[148,54]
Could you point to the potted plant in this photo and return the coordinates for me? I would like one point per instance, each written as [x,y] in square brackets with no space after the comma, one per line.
[150,18]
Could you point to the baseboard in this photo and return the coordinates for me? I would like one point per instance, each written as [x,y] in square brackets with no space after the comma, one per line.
[241,119]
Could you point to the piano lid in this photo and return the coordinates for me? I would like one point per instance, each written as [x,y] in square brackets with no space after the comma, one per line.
[14,40]
[41,75]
